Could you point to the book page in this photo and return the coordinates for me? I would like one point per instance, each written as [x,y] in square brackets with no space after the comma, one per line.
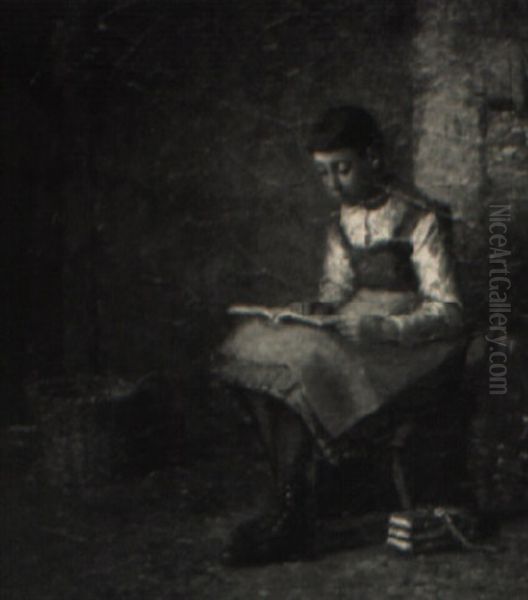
[281,314]
[252,310]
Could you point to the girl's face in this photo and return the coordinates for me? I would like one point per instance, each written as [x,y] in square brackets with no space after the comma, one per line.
[346,176]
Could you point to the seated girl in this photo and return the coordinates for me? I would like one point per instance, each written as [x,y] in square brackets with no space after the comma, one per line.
[388,316]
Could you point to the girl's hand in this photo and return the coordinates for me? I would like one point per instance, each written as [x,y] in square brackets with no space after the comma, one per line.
[348,326]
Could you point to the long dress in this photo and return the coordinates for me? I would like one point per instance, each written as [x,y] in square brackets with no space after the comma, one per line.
[387,258]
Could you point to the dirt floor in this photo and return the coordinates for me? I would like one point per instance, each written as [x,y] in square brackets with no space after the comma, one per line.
[160,537]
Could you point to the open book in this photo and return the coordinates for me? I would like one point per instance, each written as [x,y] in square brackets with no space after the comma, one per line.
[280,314]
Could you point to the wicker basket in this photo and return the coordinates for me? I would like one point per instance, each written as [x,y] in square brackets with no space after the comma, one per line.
[84,430]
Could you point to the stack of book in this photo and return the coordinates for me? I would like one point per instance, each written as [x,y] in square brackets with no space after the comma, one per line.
[431,530]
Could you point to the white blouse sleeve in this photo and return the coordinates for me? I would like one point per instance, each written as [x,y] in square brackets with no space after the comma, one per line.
[439,314]
[337,283]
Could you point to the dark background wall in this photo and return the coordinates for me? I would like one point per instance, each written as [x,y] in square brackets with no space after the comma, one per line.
[156,170]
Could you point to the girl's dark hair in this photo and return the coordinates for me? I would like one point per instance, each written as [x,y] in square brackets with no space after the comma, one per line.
[345,127]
